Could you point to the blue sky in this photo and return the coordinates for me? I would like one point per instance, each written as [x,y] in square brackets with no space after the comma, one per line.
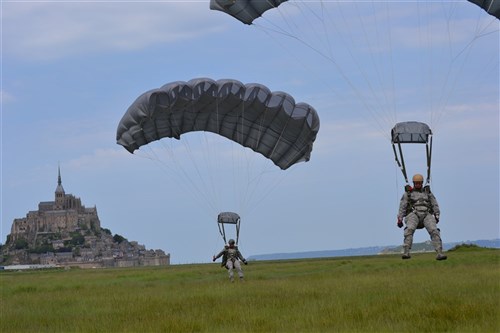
[70,69]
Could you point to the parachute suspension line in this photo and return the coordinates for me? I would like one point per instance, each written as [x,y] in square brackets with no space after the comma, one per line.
[397,189]
[372,110]
[203,187]
[380,111]
[222,231]
[442,91]
[425,65]
[428,148]
[210,164]
[240,169]
[255,180]
[199,188]
[337,67]
[438,102]
[391,104]
[402,163]
[253,175]
[279,138]
[172,167]
[465,51]
[261,129]
[384,115]
[240,160]
[270,187]
[385,109]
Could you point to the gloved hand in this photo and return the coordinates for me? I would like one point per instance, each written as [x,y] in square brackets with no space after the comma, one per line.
[436,216]
[400,222]
[213,258]
[245,262]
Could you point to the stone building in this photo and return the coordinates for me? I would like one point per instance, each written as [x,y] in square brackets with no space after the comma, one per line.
[65,232]
[65,214]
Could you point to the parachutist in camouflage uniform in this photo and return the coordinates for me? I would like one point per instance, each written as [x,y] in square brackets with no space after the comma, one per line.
[231,257]
[421,209]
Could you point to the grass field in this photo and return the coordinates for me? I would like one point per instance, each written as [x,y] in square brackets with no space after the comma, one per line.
[350,294]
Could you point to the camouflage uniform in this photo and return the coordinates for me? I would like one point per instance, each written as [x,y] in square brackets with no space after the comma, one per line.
[422,209]
[231,257]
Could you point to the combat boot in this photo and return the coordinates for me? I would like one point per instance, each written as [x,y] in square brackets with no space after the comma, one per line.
[441,256]
[406,254]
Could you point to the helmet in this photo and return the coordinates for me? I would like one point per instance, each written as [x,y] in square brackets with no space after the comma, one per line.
[418,178]
[231,242]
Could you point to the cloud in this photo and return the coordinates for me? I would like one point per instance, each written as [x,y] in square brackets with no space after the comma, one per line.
[6,97]
[104,158]
[54,30]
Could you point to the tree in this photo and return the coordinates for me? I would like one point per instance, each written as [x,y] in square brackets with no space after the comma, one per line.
[20,244]
[77,239]
[117,238]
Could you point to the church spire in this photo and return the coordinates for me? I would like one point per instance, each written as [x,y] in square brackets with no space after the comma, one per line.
[60,194]
[59,188]
[59,182]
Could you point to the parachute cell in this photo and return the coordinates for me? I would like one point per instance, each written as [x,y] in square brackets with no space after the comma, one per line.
[270,123]
[410,132]
[244,10]
[492,7]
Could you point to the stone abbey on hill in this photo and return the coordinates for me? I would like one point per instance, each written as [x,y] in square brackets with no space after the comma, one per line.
[65,232]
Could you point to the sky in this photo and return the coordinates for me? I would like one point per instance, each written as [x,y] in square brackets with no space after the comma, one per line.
[70,70]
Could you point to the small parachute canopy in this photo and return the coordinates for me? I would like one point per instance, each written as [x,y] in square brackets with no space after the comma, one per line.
[270,123]
[228,218]
[245,11]
[410,132]
[492,7]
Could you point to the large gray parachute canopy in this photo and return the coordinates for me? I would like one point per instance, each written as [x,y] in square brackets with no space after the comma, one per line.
[492,7]
[270,123]
[245,10]
[410,132]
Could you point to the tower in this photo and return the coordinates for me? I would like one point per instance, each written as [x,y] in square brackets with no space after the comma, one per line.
[60,194]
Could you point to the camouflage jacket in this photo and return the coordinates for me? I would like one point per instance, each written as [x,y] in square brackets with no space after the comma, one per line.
[418,201]
[229,253]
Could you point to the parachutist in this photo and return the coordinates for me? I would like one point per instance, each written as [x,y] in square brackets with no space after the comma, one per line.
[231,257]
[420,208]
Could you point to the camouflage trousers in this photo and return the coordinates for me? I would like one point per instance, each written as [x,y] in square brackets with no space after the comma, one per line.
[234,264]
[427,221]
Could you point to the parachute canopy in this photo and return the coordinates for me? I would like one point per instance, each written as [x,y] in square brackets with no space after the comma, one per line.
[410,132]
[492,7]
[270,123]
[228,218]
[244,10]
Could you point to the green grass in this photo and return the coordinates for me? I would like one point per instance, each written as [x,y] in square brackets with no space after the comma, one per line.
[354,294]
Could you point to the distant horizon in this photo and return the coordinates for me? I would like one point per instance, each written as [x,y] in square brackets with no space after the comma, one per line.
[324,253]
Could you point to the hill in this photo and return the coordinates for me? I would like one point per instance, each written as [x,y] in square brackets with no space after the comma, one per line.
[372,250]
[65,232]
